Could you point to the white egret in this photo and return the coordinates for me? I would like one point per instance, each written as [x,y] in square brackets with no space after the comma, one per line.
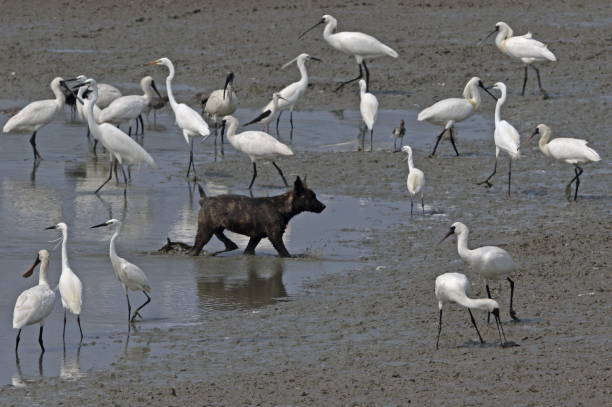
[415,181]
[522,47]
[130,275]
[267,115]
[452,287]
[81,116]
[292,93]
[398,133]
[368,108]
[38,114]
[569,150]
[506,138]
[220,103]
[188,120]
[107,94]
[447,112]
[35,304]
[259,146]
[70,286]
[129,108]
[491,262]
[361,46]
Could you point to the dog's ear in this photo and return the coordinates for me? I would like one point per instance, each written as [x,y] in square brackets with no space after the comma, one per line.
[298,186]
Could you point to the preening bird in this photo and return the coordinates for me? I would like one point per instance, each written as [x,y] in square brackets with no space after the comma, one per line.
[398,133]
[368,107]
[38,114]
[35,304]
[267,115]
[361,46]
[106,95]
[491,262]
[415,181]
[259,146]
[506,138]
[447,112]
[568,150]
[522,47]
[220,103]
[188,120]
[130,275]
[452,287]
[70,286]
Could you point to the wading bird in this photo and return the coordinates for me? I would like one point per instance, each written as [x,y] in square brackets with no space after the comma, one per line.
[491,262]
[130,275]
[82,117]
[361,46]
[447,112]
[70,286]
[569,150]
[267,115]
[220,103]
[188,120]
[106,95]
[452,287]
[292,93]
[415,181]
[398,133]
[522,47]
[36,303]
[259,146]
[368,107]
[506,138]
[38,114]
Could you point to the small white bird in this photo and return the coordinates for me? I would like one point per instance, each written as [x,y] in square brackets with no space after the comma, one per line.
[188,120]
[398,133]
[259,146]
[130,275]
[38,114]
[129,108]
[106,95]
[35,304]
[522,47]
[506,138]
[447,112]
[292,93]
[70,286]
[415,180]
[361,46]
[569,150]
[452,287]
[368,107]
[491,262]
[267,115]
[220,103]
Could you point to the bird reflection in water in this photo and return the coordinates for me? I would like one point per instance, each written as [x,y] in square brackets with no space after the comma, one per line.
[70,369]
[18,379]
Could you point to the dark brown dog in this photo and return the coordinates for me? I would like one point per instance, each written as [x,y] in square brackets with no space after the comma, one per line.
[254,217]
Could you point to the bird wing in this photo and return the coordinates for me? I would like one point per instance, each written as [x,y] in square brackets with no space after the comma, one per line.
[572,149]
[33,305]
[189,120]
[123,108]
[71,288]
[219,106]
[369,109]
[526,47]
[260,145]
[125,148]
[415,181]
[33,116]
[441,112]
[357,43]
[135,279]
[507,138]
[106,94]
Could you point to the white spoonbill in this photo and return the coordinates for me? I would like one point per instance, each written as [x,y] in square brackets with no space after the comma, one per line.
[267,115]
[415,181]
[35,304]
[452,287]
[119,145]
[220,103]
[522,47]
[361,46]
[129,108]
[292,93]
[38,114]
[188,120]
[449,111]
[130,275]
[70,286]
[259,146]
[506,138]
[368,107]
[569,150]
[491,262]
[398,133]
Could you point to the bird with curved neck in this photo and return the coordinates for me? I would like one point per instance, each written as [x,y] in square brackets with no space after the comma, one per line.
[35,304]
[568,150]
[415,181]
[491,262]
[130,275]
[449,111]
[188,120]
[267,115]
[70,286]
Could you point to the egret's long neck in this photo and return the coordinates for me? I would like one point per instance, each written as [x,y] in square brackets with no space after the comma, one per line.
[65,264]
[112,248]
[42,275]
[498,106]
[462,246]
[301,63]
[169,78]
[60,98]
[89,110]
[543,144]
[472,95]
[230,132]
[410,163]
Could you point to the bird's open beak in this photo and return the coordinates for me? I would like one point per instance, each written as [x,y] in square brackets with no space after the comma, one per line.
[29,271]
[155,89]
[228,80]
[537,131]
[100,225]
[51,227]
[316,59]
[450,232]
[311,28]
[487,90]
[488,35]
[154,62]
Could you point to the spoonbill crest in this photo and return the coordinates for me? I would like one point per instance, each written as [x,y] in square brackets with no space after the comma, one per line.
[415,180]
[368,108]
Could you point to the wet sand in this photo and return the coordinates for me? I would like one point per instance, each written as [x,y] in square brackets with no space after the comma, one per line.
[367,337]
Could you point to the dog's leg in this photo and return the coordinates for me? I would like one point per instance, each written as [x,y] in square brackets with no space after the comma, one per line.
[277,241]
[253,242]
[204,234]
[229,245]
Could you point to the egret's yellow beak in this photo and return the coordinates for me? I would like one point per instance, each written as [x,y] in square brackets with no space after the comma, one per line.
[155,62]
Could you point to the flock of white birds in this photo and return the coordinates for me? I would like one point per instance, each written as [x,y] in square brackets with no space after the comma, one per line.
[104,108]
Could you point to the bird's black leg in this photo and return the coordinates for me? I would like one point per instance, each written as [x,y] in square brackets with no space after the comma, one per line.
[500,329]
[568,188]
[95,145]
[142,306]
[524,82]
[127,297]
[352,80]
[17,340]
[222,134]
[539,81]
[110,176]
[512,313]
[141,124]
[411,205]
[277,121]
[40,339]
[487,181]
[422,205]
[578,174]
[254,175]
[452,138]
[37,155]
[291,120]
[191,163]
[488,295]
[80,329]
[474,323]
[367,75]
[439,330]
[64,330]
[371,140]
[437,142]
[509,174]
[281,173]
[130,129]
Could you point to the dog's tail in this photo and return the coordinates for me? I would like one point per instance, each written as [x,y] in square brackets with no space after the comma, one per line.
[201,191]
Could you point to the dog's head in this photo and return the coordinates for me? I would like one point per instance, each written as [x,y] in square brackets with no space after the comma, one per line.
[304,199]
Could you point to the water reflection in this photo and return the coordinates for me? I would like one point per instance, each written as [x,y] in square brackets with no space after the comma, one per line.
[70,368]
[19,380]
